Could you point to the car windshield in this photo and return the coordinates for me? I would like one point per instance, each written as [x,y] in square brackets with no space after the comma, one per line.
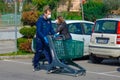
[105,26]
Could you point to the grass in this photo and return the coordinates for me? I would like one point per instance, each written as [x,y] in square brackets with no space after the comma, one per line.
[16,53]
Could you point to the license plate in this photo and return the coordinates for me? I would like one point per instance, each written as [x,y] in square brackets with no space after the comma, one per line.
[102,41]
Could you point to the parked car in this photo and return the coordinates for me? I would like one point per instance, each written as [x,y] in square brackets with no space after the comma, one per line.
[105,40]
[80,30]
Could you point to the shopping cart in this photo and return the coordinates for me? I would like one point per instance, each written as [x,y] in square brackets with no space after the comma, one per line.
[63,51]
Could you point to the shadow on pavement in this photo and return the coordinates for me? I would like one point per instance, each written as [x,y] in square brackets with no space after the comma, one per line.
[118,69]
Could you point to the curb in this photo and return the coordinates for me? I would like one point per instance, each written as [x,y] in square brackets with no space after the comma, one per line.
[17,57]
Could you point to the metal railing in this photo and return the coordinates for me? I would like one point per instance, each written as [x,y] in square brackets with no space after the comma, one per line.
[9,23]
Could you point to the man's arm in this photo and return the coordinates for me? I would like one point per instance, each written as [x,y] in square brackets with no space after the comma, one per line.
[51,29]
[39,28]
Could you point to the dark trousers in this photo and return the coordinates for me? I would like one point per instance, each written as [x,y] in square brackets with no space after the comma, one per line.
[41,48]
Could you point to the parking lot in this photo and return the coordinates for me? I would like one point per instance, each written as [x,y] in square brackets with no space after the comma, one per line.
[21,69]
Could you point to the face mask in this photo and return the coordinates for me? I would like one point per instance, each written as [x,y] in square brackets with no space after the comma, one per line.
[49,16]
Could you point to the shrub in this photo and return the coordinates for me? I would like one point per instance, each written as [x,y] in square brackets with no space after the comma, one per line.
[28,32]
[24,44]
[94,10]
[21,40]
[71,15]
[30,17]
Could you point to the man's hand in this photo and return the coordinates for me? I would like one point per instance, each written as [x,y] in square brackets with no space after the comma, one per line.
[56,35]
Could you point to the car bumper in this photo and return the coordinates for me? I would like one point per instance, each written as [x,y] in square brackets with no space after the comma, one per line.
[105,51]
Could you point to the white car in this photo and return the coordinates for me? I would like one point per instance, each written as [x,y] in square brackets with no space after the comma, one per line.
[80,30]
[105,40]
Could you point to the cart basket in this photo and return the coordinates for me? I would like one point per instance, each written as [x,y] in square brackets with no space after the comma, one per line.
[68,49]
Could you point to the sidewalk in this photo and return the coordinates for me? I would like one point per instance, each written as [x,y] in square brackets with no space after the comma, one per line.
[7,39]
[17,57]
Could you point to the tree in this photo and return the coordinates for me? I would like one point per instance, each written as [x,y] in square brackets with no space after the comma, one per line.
[42,3]
[29,17]
[112,4]
[2,6]
[94,10]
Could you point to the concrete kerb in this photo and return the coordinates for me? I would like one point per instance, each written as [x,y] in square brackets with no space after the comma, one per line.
[16,57]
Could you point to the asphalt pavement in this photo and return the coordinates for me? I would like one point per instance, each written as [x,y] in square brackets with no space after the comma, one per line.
[21,69]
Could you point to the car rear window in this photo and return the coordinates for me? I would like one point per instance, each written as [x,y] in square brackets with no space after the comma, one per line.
[106,26]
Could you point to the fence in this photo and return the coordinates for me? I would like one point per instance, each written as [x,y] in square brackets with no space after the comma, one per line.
[7,32]
[9,20]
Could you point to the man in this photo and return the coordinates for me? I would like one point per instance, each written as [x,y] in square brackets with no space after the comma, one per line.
[44,28]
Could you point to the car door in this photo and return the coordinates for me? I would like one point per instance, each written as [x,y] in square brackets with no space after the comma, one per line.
[87,31]
[76,31]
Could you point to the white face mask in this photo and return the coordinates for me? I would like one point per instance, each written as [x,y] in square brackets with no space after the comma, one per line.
[49,16]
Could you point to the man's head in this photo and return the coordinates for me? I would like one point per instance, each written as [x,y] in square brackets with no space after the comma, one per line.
[47,12]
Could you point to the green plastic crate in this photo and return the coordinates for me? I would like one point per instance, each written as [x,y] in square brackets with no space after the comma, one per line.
[69,49]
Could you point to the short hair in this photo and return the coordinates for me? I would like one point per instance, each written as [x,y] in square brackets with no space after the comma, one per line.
[46,8]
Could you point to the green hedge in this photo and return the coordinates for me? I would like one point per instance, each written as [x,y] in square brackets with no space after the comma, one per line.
[24,44]
[67,15]
[28,32]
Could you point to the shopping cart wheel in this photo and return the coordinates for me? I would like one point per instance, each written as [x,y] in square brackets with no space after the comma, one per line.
[83,73]
[76,75]
[50,71]
[53,70]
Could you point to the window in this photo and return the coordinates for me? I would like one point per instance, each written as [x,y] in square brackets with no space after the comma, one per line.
[87,28]
[106,26]
[75,28]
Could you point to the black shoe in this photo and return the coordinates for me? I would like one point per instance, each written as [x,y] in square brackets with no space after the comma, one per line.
[37,68]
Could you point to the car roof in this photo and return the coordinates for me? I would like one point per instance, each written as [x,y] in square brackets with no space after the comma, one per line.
[76,21]
[115,19]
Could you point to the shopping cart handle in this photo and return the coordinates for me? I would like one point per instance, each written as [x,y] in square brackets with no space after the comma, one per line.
[59,37]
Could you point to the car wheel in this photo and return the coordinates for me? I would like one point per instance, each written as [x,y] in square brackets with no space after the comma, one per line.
[95,59]
[119,60]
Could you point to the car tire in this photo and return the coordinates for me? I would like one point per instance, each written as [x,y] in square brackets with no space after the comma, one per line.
[119,60]
[95,59]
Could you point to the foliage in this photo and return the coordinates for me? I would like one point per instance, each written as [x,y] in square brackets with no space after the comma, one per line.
[70,15]
[30,17]
[28,32]
[21,40]
[112,4]
[24,44]
[19,52]
[2,6]
[94,10]
[74,16]
[27,7]
[42,3]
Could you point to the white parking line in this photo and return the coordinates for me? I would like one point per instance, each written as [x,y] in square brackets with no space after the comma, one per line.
[17,62]
[110,72]
[103,74]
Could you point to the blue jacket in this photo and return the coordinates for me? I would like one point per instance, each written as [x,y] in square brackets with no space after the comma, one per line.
[44,27]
